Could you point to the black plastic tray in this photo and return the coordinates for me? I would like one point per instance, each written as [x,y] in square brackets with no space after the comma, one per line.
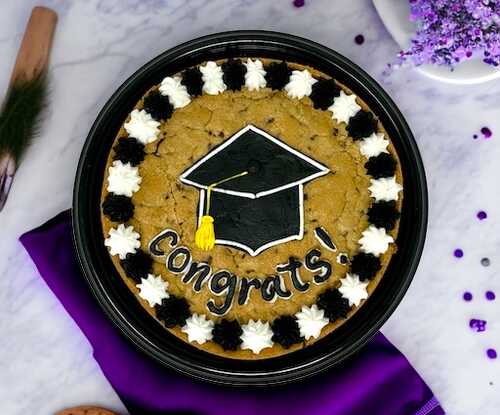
[125,311]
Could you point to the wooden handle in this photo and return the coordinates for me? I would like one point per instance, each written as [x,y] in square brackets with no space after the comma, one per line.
[33,55]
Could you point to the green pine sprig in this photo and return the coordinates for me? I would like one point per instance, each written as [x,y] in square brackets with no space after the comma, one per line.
[21,115]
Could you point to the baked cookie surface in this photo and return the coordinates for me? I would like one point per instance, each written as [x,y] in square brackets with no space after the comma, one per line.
[251,205]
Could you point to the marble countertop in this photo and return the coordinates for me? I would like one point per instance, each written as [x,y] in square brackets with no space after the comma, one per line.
[46,363]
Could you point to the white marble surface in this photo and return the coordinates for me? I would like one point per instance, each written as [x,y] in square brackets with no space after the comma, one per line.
[45,362]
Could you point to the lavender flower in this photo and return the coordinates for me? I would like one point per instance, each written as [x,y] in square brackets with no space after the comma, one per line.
[450,31]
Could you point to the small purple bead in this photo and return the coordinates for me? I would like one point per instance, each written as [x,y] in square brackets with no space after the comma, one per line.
[482,215]
[299,3]
[491,353]
[490,295]
[474,136]
[458,253]
[486,132]
[359,39]
[467,296]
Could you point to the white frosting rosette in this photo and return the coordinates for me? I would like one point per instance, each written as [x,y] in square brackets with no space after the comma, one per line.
[353,289]
[176,92]
[256,336]
[212,77]
[375,241]
[198,328]
[142,127]
[344,107]
[311,321]
[385,189]
[373,145]
[300,84]
[123,179]
[255,76]
[122,241]
[153,289]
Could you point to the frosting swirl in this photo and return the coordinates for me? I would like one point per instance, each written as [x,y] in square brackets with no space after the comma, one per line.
[375,241]
[373,145]
[122,241]
[142,126]
[353,289]
[255,77]
[153,289]
[212,77]
[311,321]
[256,336]
[176,92]
[198,328]
[344,107]
[300,84]
[123,179]
[385,189]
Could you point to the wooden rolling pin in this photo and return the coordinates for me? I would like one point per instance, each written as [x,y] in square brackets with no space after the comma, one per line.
[26,96]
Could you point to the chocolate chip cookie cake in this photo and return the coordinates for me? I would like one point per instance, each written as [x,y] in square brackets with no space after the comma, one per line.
[251,205]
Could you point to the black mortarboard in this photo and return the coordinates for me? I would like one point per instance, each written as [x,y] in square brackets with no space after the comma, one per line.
[253,183]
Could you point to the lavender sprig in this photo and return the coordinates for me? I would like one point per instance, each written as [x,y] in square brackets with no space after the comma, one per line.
[450,31]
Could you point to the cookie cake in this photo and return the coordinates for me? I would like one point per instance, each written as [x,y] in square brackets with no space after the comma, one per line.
[251,205]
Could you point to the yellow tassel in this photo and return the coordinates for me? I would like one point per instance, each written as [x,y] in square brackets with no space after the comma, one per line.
[205,235]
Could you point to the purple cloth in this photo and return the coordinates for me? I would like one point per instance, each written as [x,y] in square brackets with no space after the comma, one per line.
[379,380]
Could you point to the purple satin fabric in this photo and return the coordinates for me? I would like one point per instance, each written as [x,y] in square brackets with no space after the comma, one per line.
[379,380]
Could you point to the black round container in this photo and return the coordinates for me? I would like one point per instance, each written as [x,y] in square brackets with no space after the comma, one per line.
[120,304]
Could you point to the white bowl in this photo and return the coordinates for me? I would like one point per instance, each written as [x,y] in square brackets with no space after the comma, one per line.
[395,16]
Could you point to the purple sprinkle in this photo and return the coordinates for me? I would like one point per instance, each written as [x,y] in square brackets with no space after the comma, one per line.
[299,3]
[477,325]
[482,215]
[486,132]
[474,136]
[359,39]
[467,296]
[458,253]
[491,353]
[490,295]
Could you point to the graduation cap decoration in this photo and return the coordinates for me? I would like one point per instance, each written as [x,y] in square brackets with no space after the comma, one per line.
[251,192]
